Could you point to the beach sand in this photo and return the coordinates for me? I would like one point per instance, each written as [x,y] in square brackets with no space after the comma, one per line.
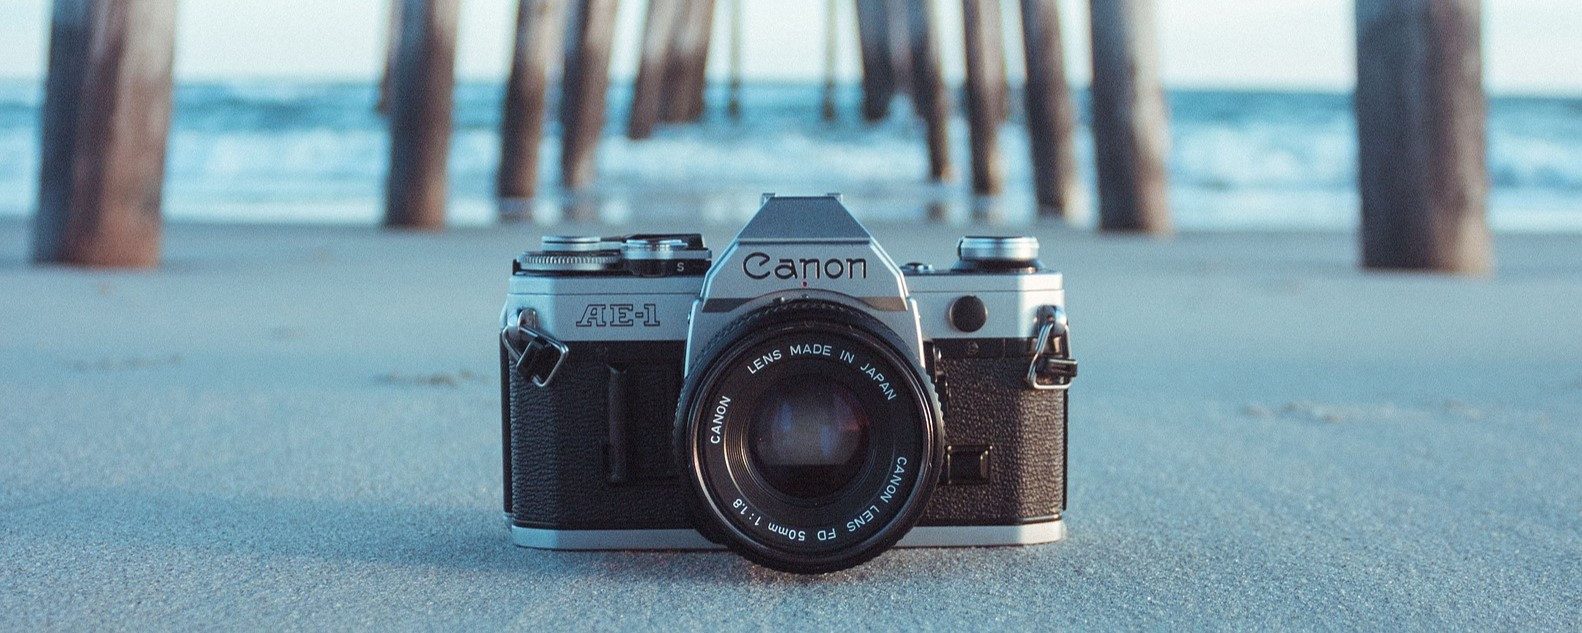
[297,427]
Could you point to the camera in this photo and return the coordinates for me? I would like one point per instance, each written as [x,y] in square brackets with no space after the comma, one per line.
[801,399]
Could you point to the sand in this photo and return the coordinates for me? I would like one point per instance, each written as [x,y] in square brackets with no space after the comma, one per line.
[296,428]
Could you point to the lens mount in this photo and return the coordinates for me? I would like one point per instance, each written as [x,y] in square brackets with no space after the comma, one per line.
[811,441]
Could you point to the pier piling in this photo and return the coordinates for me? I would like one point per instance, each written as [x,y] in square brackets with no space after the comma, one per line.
[539,25]
[930,97]
[686,73]
[733,103]
[985,92]
[420,115]
[1051,114]
[878,60]
[899,44]
[1129,117]
[584,88]
[648,89]
[392,48]
[106,119]
[831,56]
[1421,112]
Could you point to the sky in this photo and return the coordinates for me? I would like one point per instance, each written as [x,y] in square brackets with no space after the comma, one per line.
[1530,46]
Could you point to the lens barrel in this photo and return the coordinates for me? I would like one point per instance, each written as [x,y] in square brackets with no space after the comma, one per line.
[811,441]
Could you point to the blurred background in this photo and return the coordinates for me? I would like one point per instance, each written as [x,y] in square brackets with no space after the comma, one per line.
[293,418]
[274,117]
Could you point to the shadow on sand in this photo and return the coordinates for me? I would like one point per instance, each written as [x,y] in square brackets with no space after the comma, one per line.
[103,521]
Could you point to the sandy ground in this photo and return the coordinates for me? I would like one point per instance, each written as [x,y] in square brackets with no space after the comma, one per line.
[297,428]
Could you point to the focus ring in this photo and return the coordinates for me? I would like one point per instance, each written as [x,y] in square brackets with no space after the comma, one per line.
[712,488]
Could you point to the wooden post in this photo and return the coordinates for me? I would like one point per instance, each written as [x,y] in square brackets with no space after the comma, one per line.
[703,30]
[929,95]
[985,92]
[420,115]
[648,89]
[878,67]
[106,117]
[686,77]
[1051,114]
[539,24]
[900,44]
[831,56]
[1130,138]
[1002,74]
[1420,135]
[392,47]
[733,104]
[587,79]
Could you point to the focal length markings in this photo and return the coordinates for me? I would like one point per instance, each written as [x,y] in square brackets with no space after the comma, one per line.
[752,518]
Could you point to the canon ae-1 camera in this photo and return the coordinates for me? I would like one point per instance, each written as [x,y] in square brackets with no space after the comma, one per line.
[801,399]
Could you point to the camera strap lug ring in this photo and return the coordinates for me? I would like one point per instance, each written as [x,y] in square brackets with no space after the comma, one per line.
[1052,366]
[535,355]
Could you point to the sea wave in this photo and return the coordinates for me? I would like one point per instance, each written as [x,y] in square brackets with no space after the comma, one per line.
[295,141]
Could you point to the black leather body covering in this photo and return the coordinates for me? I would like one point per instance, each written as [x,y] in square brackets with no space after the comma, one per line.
[560,459]
[570,465]
[987,403]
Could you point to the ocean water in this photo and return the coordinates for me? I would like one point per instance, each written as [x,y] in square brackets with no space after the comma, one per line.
[316,153]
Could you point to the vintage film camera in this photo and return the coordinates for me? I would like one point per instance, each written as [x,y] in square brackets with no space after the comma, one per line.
[801,399]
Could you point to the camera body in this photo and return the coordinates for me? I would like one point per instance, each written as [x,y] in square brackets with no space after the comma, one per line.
[802,399]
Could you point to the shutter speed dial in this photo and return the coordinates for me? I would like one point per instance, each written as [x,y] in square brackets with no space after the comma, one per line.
[572,253]
[642,255]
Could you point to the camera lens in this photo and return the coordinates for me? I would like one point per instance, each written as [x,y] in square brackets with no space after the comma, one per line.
[809,438]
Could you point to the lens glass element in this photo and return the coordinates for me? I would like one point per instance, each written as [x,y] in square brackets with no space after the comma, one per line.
[809,437]
[812,441]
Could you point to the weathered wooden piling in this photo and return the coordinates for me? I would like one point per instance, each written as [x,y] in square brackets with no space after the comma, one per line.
[1051,114]
[658,34]
[106,118]
[1002,74]
[1130,135]
[878,62]
[699,74]
[831,56]
[686,73]
[1421,135]
[900,44]
[392,47]
[930,97]
[733,103]
[539,24]
[584,88]
[985,92]
[420,115]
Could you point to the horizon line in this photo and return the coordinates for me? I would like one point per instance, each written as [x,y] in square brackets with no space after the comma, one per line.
[1280,88]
